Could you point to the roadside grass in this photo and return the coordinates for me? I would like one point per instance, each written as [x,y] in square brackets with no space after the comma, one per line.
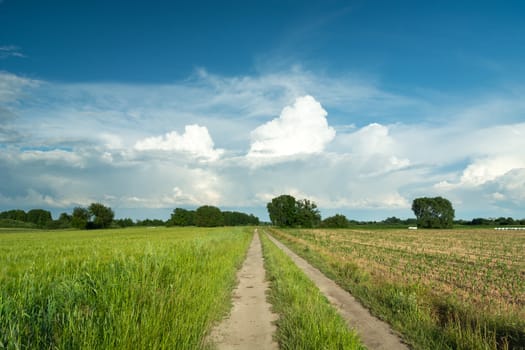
[116,289]
[306,319]
[428,287]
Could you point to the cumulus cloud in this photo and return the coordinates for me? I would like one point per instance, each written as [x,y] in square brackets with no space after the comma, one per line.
[497,179]
[60,139]
[485,170]
[300,129]
[372,149]
[511,186]
[195,141]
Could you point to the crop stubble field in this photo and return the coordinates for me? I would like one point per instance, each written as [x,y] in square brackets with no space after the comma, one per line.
[441,288]
[116,289]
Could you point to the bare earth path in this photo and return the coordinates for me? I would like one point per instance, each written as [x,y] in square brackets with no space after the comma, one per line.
[250,325]
[374,333]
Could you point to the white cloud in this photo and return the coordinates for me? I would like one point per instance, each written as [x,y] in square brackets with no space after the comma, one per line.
[60,139]
[512,186]
[372,149]
[195,141]
[300,129]
[489,169]
[12,86]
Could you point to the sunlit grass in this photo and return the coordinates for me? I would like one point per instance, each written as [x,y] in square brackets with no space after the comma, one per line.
[306,319]
[116,289]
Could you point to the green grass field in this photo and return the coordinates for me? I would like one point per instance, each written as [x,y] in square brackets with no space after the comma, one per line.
[165,288]
[443,289]
[116,289]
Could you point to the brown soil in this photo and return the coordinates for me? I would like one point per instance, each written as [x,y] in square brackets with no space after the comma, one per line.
[251,322]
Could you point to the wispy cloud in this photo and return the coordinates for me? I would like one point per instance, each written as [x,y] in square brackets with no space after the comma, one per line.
[10,51]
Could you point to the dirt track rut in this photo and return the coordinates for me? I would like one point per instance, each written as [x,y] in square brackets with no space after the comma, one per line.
[374,333]
[251,322]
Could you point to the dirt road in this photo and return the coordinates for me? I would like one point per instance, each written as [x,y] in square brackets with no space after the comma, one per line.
[374,333]
[250,325]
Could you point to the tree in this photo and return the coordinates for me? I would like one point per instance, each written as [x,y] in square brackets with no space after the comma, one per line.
[286,211]
[283,210]
[65,218]
[127,222]
[434,212]
[392,221]
[80,218]
[307,214]
[208,216]
[63,221]
[182,217]
[235,218]
[336,221]
[39,217]
[15,214]
[102,215]
[151,222]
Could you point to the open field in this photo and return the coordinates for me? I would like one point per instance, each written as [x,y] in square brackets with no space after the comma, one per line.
[116,289]
[441,289]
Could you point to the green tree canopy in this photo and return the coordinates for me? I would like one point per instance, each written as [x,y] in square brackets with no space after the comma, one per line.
[39,217]
[434,212]
[80,218]
[286,211]
[307,214]
[102,215]
[336,221]
[235,218]
[283,210]
[208,216]
[182,217]
[15,214]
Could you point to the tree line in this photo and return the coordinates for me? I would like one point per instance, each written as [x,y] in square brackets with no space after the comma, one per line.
[95,216]
[430,212]
[99,216]
[210,216]
[284,211]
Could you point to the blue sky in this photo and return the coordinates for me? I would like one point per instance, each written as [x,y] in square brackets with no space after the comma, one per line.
[359,105]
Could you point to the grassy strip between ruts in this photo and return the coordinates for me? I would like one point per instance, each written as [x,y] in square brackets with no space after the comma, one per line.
[117,289]
[306,319]
[427,320]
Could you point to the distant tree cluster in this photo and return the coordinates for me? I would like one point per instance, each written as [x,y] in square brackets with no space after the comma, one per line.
[210,216]
[96,216]
[340,221]
[37,218]
[336,221]
[501,221]
[434,212]
[286,211]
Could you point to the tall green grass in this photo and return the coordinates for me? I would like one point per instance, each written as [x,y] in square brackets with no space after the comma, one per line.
[117,289]
[306,319]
